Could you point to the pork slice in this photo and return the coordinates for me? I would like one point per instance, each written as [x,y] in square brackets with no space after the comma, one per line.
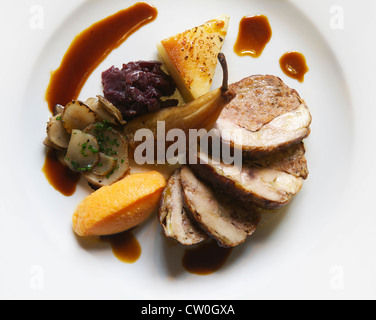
[223,219]
[292,161]
[173,215]
[265,117]
[270,183]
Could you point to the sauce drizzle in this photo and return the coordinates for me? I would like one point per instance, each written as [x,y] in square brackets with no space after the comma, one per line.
[206,258]
[254,34]
[86,52]
[124,246]
[294,65]
[59,176]
[91,47]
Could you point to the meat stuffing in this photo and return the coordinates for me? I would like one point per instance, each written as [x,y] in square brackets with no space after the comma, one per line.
[265,117]
[227,222]
[174,217]
[270,183]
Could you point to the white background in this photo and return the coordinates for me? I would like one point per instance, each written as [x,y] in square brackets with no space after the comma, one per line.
[341,262]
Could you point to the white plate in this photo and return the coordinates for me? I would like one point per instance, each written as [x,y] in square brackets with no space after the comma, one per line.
[321,246]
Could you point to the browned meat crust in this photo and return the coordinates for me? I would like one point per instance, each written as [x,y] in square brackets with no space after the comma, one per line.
[259,100]
[265,117]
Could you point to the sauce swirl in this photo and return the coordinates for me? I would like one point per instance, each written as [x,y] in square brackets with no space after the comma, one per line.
[91,47]
[294,65]
[86,52]
[59,176]
[254,34]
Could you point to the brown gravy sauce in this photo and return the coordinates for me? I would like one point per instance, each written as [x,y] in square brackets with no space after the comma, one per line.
[254,34]
[205,259]
[294,65]
[91,47]
[86,52]
[125,246]
[59,176]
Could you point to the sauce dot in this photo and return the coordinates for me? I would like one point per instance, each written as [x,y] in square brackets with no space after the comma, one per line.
[294,65]
[254,34]
[124,246]
[205,259]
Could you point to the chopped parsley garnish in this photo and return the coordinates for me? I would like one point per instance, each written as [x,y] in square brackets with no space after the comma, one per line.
[92,149]
[105,143]
[76,166]
[89,147]
[113,170]
[83,149]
